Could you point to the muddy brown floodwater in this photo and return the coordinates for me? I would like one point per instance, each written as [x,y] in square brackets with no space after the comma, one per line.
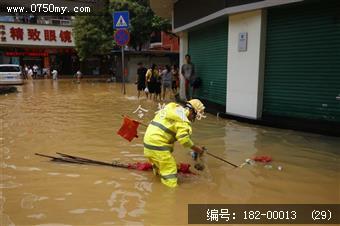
[82,119]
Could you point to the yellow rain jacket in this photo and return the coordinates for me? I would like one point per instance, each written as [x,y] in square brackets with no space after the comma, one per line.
[169,125]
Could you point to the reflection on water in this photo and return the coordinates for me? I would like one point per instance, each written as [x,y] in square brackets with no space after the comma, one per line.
[82,119]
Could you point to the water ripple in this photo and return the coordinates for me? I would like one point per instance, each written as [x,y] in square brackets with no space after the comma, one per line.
[37,216]
[120,198]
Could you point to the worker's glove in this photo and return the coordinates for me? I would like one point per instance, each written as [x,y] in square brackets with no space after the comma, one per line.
[194,155]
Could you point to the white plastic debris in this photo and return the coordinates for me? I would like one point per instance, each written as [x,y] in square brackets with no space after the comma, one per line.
[250,162]
[268,166]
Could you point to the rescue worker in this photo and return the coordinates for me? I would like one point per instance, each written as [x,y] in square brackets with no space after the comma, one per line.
[172,123]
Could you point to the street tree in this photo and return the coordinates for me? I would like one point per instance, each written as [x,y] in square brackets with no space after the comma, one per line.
[93,33]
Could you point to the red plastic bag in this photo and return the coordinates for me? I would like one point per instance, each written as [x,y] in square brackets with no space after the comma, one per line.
[142,166]
[129,129]
[184,168]
[263,158]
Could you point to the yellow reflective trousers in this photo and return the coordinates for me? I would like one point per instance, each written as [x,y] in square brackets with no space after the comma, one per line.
[164,164]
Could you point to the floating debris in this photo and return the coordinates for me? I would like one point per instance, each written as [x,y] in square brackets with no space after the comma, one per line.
[199,166]
[250,162]
[268,166]
[263,158]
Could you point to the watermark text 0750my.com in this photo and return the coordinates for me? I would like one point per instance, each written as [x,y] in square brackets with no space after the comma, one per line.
[48,8]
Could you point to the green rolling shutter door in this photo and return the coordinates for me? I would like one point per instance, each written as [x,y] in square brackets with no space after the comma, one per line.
[208,48]
[302,75]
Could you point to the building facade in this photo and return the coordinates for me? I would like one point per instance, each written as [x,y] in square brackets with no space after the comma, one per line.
[263,59]
[164,41]
[38,42]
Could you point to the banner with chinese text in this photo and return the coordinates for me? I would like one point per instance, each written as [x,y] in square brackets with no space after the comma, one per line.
[35,35]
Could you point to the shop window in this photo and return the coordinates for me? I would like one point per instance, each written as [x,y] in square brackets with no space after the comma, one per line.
[156,37]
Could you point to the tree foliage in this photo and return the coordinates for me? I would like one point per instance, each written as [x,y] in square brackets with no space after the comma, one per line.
[93,34]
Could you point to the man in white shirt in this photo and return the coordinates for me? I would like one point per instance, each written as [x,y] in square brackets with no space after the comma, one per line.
[188,72]
[55,74]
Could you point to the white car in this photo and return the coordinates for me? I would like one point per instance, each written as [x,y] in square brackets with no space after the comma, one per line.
[10,74]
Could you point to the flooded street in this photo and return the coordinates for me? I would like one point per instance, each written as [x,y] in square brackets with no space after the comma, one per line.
[82,119]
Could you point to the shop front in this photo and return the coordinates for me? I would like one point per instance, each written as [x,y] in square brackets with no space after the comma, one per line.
[269,62]
[302,74]
[208,48]
[48,47]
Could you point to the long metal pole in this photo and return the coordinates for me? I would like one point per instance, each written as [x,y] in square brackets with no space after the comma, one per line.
[216,157]
[123,70]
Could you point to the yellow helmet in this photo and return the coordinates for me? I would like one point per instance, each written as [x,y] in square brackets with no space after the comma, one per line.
[197,105]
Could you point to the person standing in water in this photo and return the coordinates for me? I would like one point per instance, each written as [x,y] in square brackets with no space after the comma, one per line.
[175,79]
[152,77]
[171,124]
[141,77]
[166,80]
[188,72]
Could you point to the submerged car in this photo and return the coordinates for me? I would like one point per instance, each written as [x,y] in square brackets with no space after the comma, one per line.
[10,74]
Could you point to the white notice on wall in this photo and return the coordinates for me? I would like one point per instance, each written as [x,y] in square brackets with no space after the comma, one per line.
[242,41]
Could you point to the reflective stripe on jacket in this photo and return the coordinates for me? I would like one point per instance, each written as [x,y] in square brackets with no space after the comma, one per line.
[170,124]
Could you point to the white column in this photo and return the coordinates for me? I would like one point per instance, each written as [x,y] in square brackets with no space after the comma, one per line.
[183,50]
[246,68]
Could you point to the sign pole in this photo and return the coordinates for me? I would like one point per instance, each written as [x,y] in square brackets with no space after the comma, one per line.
[123,70]
[122,35]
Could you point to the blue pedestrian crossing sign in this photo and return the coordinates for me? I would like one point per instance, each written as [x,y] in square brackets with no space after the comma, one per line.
[121,20]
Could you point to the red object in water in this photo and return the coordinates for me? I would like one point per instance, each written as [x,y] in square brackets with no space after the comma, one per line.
[142,166]
[184,168]
[129,129]
[146,166]
[263,158]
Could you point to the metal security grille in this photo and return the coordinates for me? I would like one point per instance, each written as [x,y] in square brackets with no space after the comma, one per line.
[208,48]
[302,75]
